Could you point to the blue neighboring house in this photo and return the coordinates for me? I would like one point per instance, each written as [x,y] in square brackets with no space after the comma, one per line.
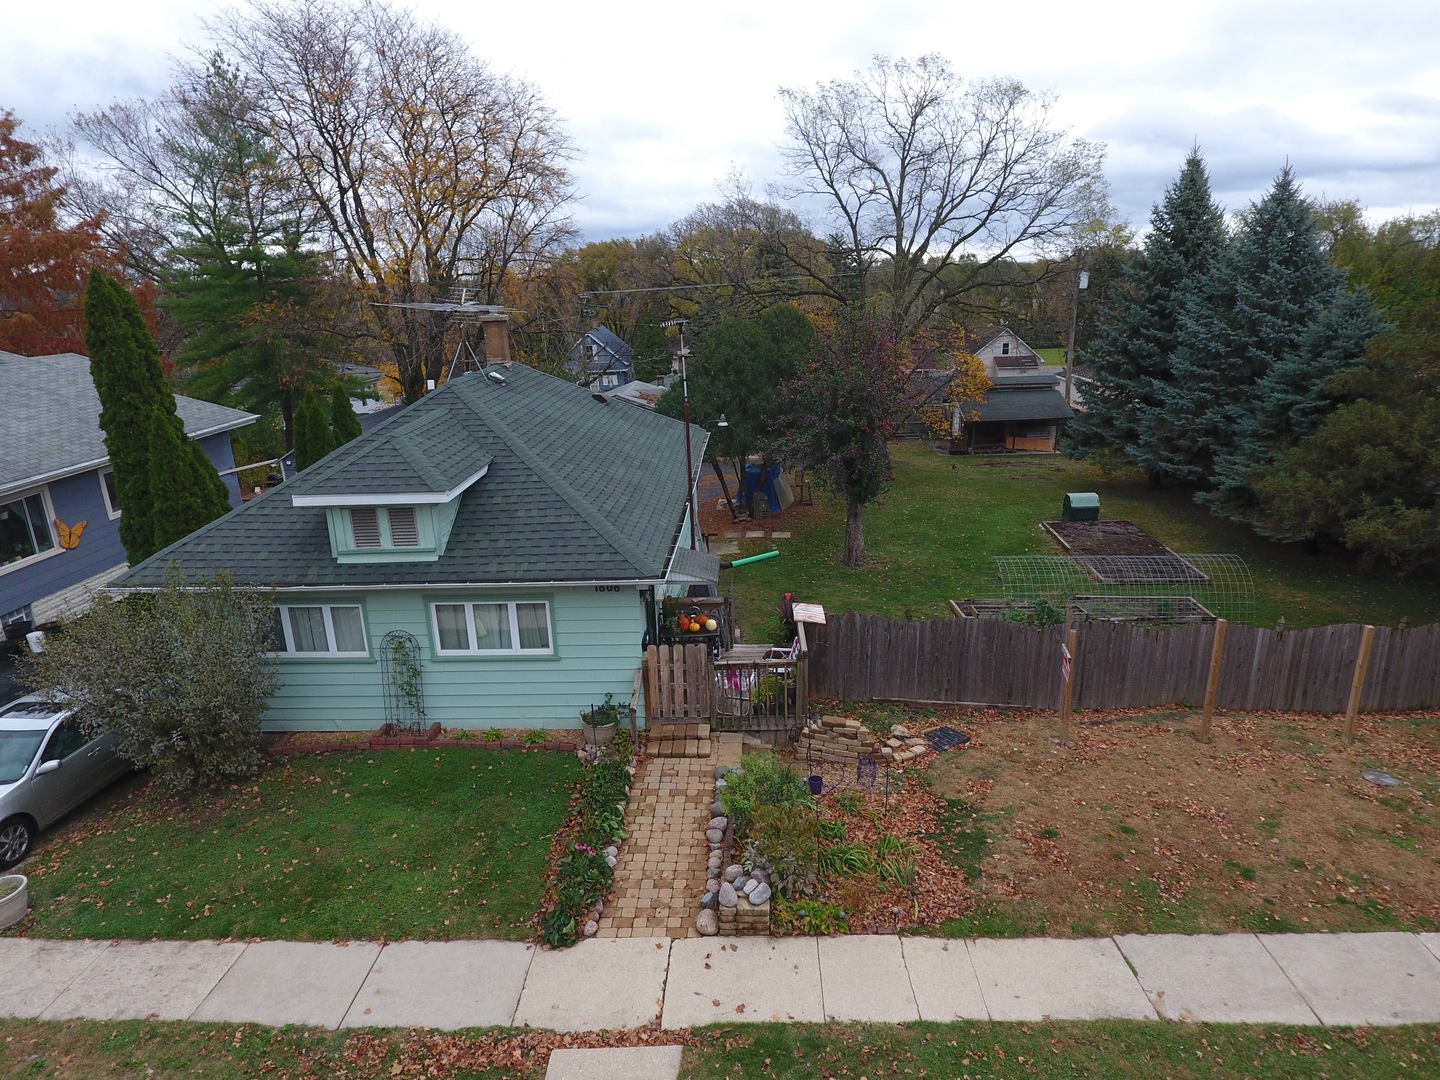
[601,360]
[508,535]
[59,529]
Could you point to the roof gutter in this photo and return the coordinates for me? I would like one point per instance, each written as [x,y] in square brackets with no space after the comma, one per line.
[637,583]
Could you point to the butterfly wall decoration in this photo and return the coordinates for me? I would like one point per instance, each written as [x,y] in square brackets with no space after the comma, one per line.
[69,534]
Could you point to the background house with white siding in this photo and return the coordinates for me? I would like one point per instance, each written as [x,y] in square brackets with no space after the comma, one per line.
[519,529]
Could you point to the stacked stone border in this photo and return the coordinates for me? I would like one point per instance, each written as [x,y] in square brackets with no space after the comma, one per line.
[734,904]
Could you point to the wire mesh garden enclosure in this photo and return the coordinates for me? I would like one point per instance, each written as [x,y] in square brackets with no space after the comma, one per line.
[1166,588]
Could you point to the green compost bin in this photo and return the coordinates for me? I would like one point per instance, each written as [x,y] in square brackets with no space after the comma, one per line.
[1081,506]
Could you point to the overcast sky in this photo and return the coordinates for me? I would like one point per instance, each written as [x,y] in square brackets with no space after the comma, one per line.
[665,100]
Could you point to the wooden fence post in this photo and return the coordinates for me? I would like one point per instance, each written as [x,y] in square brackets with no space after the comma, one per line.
[1357,684]
[1217,650]
[1067,716]
[652,699]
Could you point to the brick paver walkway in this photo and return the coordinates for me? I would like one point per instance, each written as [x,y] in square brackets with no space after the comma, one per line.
[660,872]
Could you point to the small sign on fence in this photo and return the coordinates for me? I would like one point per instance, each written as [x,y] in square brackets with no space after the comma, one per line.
[1064,662]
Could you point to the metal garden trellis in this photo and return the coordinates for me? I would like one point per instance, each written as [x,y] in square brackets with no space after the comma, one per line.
[401,674]
[1142,588]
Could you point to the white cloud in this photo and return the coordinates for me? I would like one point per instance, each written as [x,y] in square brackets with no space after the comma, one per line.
[664,100]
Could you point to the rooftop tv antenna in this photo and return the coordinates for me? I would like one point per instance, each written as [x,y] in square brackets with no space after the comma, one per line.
[462,309]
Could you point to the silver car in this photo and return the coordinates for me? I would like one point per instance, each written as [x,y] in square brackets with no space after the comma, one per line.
[48,766]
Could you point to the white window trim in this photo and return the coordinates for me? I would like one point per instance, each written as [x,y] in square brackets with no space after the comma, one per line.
[514,650]
[326,609]
[110,509]
[56,549]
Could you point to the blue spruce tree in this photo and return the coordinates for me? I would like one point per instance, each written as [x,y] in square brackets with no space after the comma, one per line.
[1138,323]
[1260,337]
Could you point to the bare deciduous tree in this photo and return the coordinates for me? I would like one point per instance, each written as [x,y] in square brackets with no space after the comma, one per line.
[927,182]
[421,160]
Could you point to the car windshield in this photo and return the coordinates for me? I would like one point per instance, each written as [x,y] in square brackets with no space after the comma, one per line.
[31,709]
[17,751]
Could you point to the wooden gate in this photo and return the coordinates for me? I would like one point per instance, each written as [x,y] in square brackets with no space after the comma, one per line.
[679,684]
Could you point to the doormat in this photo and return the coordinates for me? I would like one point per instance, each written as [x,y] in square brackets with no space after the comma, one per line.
[946,738]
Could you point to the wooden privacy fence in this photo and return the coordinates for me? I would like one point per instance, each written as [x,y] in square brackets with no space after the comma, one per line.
[1119,665]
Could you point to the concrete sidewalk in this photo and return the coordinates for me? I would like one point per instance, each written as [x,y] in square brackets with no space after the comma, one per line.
[1329,979]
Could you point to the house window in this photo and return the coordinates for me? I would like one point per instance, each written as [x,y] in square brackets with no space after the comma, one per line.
[319,630]
[108,489]
[508,627]
[1004,348]
[25,528]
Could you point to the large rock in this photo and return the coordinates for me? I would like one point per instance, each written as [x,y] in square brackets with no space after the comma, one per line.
[713,863]
[900,731]
[759,894]
[734,872]
[718,822]
[728,896]
[713,885]
[591,928]
[716,808]
[750,883]
[708,923]
[714,835]
[708,900]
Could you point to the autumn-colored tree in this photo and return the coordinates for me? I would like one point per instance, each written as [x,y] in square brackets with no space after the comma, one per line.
[43,260]
[428,169]
[839,412]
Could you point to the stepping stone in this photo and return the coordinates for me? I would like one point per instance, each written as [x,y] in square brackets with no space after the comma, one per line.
[615,1063]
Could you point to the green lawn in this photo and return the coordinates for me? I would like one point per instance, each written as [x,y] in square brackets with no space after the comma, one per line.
[393,843]
[1052,357]
[930,538]
[1101,1049]
[82,1050]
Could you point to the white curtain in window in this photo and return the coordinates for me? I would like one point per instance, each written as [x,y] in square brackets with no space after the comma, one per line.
[450,621]
[349,629]
[534,626]
[492,626]
[307,630]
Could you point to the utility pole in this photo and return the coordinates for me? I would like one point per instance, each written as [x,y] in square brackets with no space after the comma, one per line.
[689,460]
[1082,282]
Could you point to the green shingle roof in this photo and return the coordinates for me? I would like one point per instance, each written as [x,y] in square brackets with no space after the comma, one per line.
[422,457]
[575,491]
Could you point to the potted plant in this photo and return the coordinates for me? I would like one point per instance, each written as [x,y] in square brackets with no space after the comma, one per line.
[601,721]
[14,899]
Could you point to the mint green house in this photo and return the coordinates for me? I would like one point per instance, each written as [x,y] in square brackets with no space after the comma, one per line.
[509,533]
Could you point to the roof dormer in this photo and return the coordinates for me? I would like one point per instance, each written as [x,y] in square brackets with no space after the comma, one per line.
[395,498]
